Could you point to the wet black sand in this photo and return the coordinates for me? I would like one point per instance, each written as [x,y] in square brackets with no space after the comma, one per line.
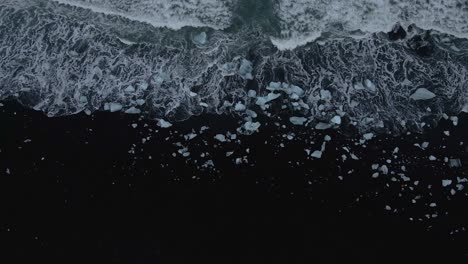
[76,195]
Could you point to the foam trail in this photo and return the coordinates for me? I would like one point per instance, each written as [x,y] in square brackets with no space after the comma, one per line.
[303,20]
[173,14]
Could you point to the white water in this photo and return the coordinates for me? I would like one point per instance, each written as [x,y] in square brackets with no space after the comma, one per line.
[303,21]
[173,14]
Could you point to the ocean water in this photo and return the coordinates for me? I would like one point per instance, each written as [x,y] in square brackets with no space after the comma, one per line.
[175,59]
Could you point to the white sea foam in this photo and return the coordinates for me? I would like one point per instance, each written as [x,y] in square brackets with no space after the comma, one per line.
[305,20]
[173,14]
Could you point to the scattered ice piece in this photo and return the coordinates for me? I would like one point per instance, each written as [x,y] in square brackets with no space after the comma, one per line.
[368,136]
[190,136]
[252,93]
[336,120]
[134,125]
[375,166]
[87,112]
[299,121]
[265,99]
[425,145]
[140,102]
[388,208]
[370,85]
[384,169]
[422,94]
[316,154]
[251,113]
[192,94]
[455,163]
[251,126]
[447,133]
[203,104]
[325,95]
[322,126]
[129,89]
[239,107]
[432,158]
[245,70]
[114,107]
[164,124]
[1,105]
[432,204]
[375,175]
[229,153]
[200,38]
[446,183]
[220,137]
[133,110]
[354,157]
[327,138]
[143,86]
[465,108]
[7,171]
[454,120]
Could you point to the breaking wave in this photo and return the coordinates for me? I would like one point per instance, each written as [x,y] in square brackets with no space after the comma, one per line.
[113,55]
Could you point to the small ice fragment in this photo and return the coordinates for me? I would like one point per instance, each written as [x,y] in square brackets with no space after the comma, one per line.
[129,89]
[368,136]
[432,204]
[370,85]
[375,175]
[134,125]
[251,126]
[424,145]
[7,171]
[133,110]
[265,99]
[422,94]
[325,95]
[454,120]
[203,104]
[83,99]
[140,102]
[316,154]
[336,120]
[200,38]
[245,70]
[388,208]
[164,124]
[252,93]
[239,107]
[114,107]
[432,158]
[87,112]
[447,133]
[375,166]
[251,113]
[190,136]
[220,137]
[446,183]
[299,121]
[322,126]
[454,163]
[229,153]
[192,94]
[143,86]
[384,169]
[327,138]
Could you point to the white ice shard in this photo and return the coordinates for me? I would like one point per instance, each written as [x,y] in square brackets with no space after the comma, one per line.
[322,126]
[368,136]
[200,39]
[164,124]
[370,85]
[336,120]
[316,154]
[298,121]
[133,110]
[455,163]
[422,94]
[239,107]
[129,89]
[446,183]
[114,107]
[265,99]
[220,137]
[251,126]
[252,93]
[245,70]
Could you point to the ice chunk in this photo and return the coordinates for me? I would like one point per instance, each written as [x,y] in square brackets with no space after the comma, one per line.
[384,169]
[133,110]
[370,85]
[322,126]
[446,183]
[422,94]
[140,102]
[164,124]
[200,38]
[114,107]
[265,99]
[454,120]
[336,120]
[455,163]
[432,158]
[129,89]
[325,95]
[252,93]
[239,107]
[327,138]
[251,126]
[251,113]
[316,154]
[245,70]
[368,136]
[299,121]
[220,137]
